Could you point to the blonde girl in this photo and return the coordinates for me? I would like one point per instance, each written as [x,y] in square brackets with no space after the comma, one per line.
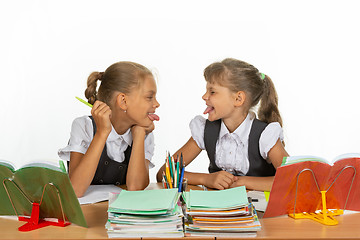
[242,149]
[115,144]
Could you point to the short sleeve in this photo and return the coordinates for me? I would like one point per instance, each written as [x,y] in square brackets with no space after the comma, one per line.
[197,126]
[269,137]
[80,138]
[149,148]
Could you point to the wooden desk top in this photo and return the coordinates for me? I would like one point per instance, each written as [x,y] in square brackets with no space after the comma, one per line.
[272,228]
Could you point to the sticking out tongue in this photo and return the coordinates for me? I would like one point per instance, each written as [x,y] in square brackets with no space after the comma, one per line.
[208,109]
[153,117]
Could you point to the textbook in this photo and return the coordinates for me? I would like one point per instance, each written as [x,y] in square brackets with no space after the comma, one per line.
[221,213]
[299,181]
[39,183]
[146,213]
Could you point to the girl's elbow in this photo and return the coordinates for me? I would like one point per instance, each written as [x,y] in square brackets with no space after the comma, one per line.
[78,189]
[137,186]
[79,193]
[134,188]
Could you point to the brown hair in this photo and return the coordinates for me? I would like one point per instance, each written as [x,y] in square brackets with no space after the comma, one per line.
[241,76]
[120,76]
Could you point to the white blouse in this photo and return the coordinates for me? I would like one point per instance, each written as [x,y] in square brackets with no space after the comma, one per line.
[82,134]
[232,148]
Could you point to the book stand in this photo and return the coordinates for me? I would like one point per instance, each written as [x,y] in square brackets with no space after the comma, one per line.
[324,216]
[34,222]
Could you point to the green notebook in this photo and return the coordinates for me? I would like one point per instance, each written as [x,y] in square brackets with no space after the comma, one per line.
[221,199]
[152,202]
[31,180]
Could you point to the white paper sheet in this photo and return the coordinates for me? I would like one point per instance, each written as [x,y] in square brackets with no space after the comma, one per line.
[259,200]
[98,193]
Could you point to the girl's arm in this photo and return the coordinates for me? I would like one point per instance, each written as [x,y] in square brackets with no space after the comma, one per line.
[137,177]
[82,167]
[218,180]
[275,155]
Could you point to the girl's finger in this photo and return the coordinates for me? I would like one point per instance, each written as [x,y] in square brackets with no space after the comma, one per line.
[96,104]
[228,180]
[227,174]
[224,184]
[219,186]
[99,108]
[104,109]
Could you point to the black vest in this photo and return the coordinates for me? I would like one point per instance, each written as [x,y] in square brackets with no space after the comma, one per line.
[109,171]
[258,165]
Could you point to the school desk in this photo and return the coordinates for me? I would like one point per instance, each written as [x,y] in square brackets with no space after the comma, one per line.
[272,228]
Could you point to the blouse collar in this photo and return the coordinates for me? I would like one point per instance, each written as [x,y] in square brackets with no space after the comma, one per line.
[241,133]
[114,136]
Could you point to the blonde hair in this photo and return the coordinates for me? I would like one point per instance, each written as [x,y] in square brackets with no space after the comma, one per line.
[119,77]
[241,76]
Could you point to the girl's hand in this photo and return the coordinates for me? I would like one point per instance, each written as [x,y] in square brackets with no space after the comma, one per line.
[149,128]
[240,181]
[136,129]
[219,180]
[101,113]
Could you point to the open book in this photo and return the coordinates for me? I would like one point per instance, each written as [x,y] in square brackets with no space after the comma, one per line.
[42,183]
[299,180]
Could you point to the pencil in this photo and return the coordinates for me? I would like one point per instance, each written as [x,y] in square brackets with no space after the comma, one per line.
[163,180]
[168,173]
[174,171]
[84,102]
[178,172]
[166,185]
[181,178]
[176,177]
[170,166]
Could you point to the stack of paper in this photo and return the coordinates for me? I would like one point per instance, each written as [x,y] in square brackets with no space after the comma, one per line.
[220,213]
[148,213]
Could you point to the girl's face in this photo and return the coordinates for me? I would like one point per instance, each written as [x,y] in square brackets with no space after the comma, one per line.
[142,103]
[219,100]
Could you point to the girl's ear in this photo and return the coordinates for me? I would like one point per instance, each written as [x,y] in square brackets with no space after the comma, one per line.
[240,98]
[121,101]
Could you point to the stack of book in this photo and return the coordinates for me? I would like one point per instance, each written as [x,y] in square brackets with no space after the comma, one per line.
[224,213]
[147,213]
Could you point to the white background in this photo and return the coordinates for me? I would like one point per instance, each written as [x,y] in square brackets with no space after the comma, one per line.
[48,48]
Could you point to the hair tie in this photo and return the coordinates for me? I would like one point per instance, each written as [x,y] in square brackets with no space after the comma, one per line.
[262,76]
[100,75]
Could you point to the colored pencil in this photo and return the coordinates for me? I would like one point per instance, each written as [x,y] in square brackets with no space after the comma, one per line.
[167,172]
[178,173]
[170,166]
[84,102]
[174,170]
[163,180]
[175,177]
[181,178]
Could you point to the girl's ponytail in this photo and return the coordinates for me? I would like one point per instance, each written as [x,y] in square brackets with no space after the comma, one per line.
[90,92]
[268,111]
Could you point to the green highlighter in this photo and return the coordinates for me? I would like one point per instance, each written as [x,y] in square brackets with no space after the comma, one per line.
[83,101]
